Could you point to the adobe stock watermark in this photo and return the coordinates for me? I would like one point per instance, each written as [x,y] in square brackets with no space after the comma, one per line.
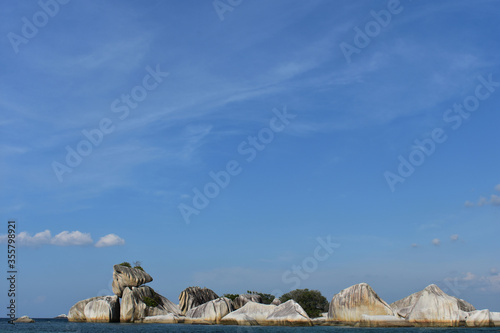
[363,37]
[95,136]
[454,116]
[299,273]
[30,27]
[223,6]
[248,148]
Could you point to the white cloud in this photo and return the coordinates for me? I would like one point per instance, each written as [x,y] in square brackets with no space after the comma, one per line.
[469,204]
[64,238]
[454,237]
[41,238]
[436,242]
[497,187]
[110,240]
[67,238]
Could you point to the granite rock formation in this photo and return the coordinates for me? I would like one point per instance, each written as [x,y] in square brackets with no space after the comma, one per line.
[194,296]
[124,277]
[243,299]
[351,303]
[136,304]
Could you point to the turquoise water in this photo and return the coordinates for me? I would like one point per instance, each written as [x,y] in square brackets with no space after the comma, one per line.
[53,325]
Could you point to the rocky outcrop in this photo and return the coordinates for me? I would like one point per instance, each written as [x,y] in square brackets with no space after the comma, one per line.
[141,302]
[289,313]
[479,318]
[250,314]
[383,321]
[432,307]
[243,299]
[350,304]
[162,319]
[124,277]
[276,301]
[495,318]
[194,296]
[210,312]
[24,319]
[76,312]
[103,310]
[61,316]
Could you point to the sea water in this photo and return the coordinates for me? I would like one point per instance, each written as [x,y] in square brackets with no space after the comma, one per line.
[57,325]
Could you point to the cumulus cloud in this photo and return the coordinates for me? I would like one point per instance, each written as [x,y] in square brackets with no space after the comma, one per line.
[41,238]
[110,240]
[436,242]
[64,238]
[67,238]
[454,237]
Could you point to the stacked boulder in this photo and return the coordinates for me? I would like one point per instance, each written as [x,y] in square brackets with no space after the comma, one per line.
[138,301]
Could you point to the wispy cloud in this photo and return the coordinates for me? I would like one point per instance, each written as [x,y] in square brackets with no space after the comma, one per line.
[483,201]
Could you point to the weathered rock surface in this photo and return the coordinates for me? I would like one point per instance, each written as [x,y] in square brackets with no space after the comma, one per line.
[103,310]
[162,319]
[289,313]
[351,303]
[124,277]
[479,318]
[135,309]
[61,316]
[243,299]
[383,321]
[77,311]
[495,318]
[249,314]
[432,307]
[24,319]
[210,312]
[194,296]
[276,301]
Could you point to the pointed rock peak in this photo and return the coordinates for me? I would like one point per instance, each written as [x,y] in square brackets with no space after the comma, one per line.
[432,288]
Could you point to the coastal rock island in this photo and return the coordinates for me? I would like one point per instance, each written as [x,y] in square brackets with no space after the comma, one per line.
[358,305]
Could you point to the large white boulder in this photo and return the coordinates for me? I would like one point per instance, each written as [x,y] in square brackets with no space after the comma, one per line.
[249,314]
[479,318]
[103,310]
[289,313]
[109,307]
[432,307]
[350,304]
[210,312]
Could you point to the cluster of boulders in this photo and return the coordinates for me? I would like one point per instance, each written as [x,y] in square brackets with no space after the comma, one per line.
[361,306]
[358,305]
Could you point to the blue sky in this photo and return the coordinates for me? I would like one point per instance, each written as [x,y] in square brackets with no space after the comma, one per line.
[314,135]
